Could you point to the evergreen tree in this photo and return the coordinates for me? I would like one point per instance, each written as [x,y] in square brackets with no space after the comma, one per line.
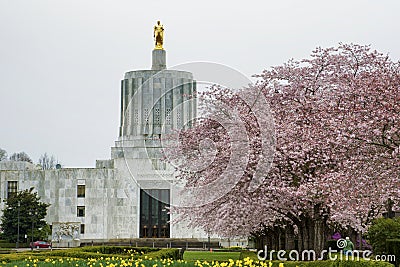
[25,207]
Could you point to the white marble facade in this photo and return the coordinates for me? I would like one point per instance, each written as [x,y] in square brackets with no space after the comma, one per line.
[105,200]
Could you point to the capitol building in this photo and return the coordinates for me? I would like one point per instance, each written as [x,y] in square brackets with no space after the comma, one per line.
[126,196]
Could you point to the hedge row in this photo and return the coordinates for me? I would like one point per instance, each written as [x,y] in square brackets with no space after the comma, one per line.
[13,245]
[118,249]
[165,253]
[95,253]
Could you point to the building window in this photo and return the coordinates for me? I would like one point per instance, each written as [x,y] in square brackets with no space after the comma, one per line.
[168,116]
[82,229]
[146,115]
[81,191]
[157,115]
[80,211]
[178,119]
[12,188]
[136,116]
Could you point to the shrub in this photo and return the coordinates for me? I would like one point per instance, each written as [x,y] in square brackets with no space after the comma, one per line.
[165,253]
[5,244]
[19,257]
[248,254]
[235,248]
[118,249]
[393,248]
[80,253]
[382,229]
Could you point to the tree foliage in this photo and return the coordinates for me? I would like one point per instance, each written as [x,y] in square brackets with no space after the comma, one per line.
[337,156]
[31,212]
[20,156]
[3,154]
[47,162]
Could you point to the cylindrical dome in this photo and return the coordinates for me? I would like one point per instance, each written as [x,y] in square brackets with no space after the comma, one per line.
[155,101]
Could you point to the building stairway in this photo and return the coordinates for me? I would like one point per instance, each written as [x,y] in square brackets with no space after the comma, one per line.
[186,243]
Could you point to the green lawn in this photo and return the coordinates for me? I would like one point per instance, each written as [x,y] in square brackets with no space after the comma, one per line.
[210,256]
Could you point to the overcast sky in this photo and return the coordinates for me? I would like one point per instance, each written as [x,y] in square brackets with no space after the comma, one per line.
[61,61]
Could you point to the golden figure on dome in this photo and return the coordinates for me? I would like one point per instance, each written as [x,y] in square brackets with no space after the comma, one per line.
[159,35]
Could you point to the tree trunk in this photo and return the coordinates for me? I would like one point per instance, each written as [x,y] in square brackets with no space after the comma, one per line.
[306,235]
[289,233]
[319,236]
[279,239]
[300,242]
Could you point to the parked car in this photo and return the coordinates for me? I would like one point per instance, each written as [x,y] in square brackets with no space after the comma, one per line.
[40,244]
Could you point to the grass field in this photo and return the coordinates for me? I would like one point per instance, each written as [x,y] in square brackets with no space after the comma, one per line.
[114,256]
[210,256]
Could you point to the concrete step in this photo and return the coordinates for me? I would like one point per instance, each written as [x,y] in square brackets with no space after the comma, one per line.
[157,243]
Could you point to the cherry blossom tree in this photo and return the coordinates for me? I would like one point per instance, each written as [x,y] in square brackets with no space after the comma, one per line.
[335,142]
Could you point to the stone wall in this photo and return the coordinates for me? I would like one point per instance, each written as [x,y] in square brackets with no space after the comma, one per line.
[152,103]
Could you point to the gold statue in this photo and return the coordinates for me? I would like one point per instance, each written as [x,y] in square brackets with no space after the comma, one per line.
[159,35]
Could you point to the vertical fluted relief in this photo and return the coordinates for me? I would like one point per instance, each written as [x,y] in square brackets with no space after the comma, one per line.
[155,101]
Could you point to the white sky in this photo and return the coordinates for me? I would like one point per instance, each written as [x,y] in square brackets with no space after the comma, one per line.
[61,61]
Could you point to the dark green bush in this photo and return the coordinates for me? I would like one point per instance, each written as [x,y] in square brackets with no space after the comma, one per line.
[19,257]
[4,244]
[382,229]
[118,249]
[80,253]
[248,254]
[393,248]
[165,253]
[75,253]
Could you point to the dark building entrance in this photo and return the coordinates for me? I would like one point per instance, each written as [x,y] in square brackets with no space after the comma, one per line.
[154,217]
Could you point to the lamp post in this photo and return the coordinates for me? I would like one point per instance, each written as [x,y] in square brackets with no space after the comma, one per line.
[208,239]
[19,205]
[32,233]
[32,217]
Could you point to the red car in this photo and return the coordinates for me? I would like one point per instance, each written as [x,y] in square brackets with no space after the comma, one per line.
[40,244]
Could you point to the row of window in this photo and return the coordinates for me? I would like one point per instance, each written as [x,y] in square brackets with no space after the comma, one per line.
[12,189]
[157,116]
